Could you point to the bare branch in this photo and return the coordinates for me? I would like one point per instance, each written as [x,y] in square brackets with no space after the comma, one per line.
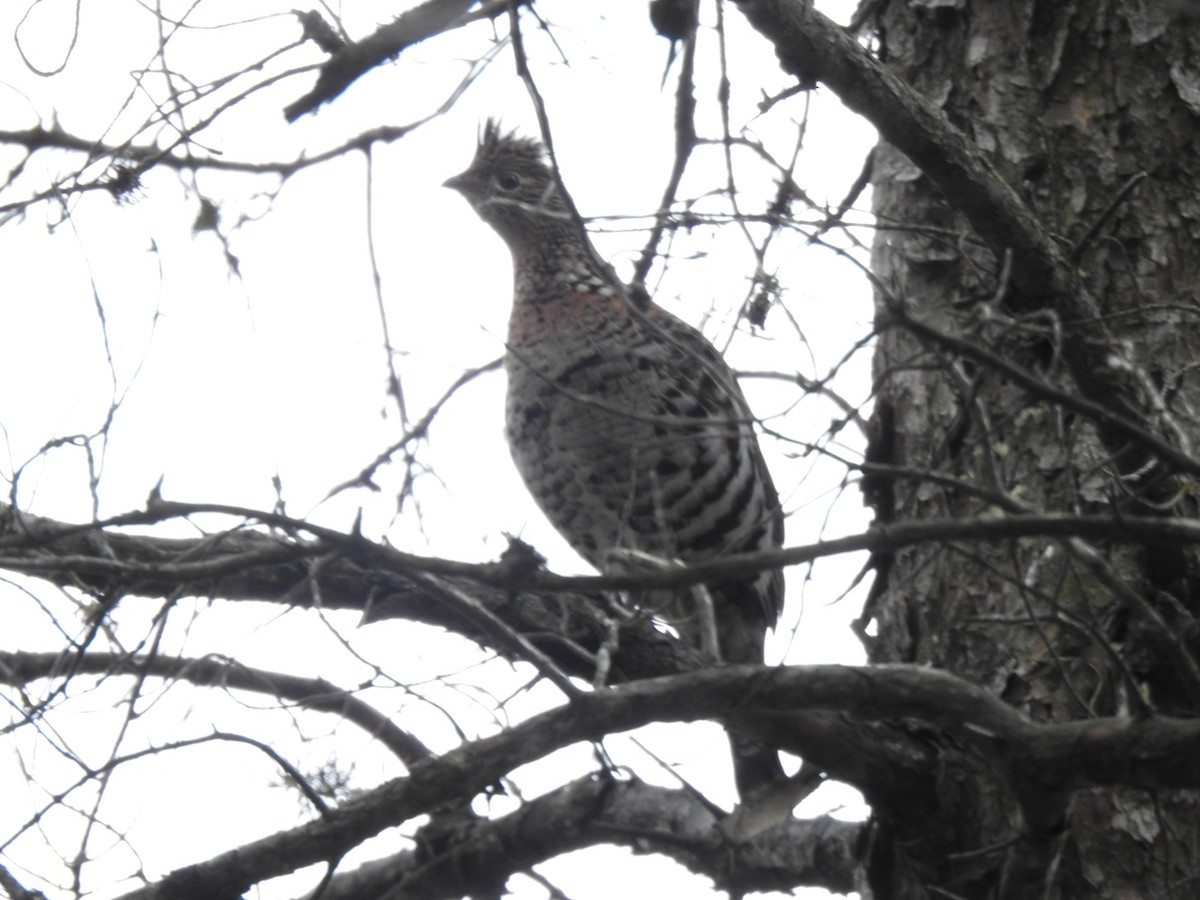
[18,668]
[251,565]
[354,60]
[15,889]
[1045,762]
[468,855]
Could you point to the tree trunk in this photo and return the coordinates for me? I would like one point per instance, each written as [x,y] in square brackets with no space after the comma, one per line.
[1089,110]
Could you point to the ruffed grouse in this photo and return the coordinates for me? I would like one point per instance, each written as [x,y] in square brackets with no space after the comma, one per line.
[626,424]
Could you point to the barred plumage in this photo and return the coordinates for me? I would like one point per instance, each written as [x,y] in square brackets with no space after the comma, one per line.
[626,424]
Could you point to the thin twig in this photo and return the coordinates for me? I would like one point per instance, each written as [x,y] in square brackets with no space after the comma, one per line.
[1109,211]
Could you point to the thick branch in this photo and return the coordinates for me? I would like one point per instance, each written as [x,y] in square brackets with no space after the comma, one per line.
[354,60]
[227,564]
[248,565]
[566,618]
[1148,753]
[461,854]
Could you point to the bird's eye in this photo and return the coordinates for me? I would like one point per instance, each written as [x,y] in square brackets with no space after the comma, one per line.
[508,181]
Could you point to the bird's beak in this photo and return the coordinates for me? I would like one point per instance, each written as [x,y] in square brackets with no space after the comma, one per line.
[457,183]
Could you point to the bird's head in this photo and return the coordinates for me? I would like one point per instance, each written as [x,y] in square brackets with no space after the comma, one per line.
[511,186]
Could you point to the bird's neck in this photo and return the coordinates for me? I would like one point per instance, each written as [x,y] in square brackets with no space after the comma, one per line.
[557,267]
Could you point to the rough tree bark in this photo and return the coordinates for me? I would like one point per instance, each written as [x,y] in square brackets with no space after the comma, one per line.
[1089,109]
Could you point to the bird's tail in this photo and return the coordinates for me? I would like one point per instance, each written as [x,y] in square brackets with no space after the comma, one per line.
[755,765]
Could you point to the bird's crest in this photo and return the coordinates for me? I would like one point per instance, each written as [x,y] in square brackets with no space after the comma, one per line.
[495,144]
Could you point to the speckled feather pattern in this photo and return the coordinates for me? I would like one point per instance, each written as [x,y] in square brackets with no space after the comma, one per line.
[625,423]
